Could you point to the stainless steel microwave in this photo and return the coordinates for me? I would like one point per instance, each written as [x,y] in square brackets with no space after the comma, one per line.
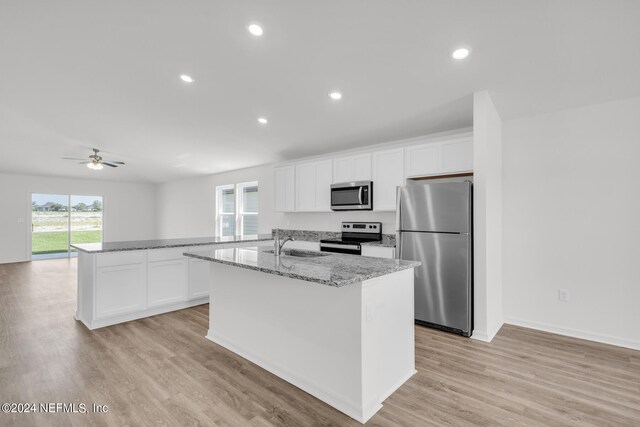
[352,196]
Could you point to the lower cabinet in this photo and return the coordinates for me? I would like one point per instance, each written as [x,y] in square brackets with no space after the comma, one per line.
[198,278]
[378,251]
[167,281]
[120,289]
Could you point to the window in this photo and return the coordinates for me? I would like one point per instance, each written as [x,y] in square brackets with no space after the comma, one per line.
[237,209]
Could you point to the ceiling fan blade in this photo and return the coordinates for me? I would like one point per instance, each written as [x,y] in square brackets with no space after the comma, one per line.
[84,163]
[115,162]
[72,158]
[109,164]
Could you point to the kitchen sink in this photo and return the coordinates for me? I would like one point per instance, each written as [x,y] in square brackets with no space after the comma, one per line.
[299,253]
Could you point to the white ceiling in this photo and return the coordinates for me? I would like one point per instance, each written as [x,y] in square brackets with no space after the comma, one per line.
[90,73]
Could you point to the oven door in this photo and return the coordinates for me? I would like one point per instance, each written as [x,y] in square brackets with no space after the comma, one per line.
[352,196]
[341,248]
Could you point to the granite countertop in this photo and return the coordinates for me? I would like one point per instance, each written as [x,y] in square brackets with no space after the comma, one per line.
[136,245]
[326,268]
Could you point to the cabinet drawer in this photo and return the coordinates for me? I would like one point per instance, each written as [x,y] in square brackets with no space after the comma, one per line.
[121,258]
[166,254]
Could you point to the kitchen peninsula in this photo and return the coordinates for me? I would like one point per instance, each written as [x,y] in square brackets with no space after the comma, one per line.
[340,327]
[122,281]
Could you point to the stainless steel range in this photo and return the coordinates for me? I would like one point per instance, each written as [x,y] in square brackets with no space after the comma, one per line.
[353,235]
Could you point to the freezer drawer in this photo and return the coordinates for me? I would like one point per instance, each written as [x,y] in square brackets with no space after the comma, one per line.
[443,281]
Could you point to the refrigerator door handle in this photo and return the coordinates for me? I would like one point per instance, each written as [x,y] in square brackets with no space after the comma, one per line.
[398,245]
[398,211]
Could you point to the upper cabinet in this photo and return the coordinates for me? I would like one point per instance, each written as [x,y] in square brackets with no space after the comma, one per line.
[441,157]
[456,155]
[305,186]
[284,189]
[352,168]
[388,173]
[312,183]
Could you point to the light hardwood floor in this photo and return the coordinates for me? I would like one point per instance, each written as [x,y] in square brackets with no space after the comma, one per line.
[161,371]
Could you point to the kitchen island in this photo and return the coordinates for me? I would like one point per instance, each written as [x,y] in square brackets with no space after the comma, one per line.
[340,327]
[122,281]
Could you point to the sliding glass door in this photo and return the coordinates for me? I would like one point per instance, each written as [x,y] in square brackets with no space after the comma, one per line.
[60,220]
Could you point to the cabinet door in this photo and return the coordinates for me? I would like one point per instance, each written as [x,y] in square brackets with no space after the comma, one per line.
[456,155]
[388,173]
[313,186]
[120,289]
[422,159]
[167,282]
[198,278]
[284,189]
[352,168]
[306,187]
[324,172]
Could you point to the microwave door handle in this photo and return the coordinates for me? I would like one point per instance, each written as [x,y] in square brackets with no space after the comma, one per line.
[360,194]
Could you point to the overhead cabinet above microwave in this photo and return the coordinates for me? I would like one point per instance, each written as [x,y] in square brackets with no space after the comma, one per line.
[306,186]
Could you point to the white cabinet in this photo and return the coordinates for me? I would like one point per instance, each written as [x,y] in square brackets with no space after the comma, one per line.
[167,277]
[121,283]
[388,173]
[313,182]
[352,168]
[456,155]
[440,157]
[422,159]
[284,189]
[198,278]
[378,251]
[199,272]
[305,186]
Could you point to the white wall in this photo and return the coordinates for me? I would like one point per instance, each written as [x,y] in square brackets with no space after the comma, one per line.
[129,209]
[487,218]
[187,208]
[572,220]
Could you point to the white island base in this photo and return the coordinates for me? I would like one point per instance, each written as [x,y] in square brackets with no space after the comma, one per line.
[349,346]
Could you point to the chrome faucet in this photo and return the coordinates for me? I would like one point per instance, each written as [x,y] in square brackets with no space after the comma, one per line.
[277,244]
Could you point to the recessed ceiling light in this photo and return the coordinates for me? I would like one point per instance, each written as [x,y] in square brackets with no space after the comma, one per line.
[262,120]
[255,29]
[460,53]
[186,78]
[335,95]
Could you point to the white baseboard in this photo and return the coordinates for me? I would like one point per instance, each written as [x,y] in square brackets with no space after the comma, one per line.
[576,333]
[397,385]
[113,320]
[352,409]
[486,336]
[480,336]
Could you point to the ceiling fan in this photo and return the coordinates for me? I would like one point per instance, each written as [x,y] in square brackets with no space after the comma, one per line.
[96,162]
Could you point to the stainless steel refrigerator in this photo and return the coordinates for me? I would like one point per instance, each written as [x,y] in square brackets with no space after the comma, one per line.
[434,224]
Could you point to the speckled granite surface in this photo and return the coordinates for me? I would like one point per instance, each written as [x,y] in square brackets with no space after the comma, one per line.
[333,269]
[388,240]
[165,243]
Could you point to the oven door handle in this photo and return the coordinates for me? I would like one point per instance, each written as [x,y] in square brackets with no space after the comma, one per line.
[360,194]
[339,246]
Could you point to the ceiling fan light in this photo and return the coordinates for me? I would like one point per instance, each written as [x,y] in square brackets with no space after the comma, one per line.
[95,166]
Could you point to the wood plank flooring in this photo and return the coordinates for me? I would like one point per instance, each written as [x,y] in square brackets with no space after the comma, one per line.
[162,371]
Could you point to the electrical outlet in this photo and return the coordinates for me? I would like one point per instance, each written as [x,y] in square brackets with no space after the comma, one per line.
[563,295]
